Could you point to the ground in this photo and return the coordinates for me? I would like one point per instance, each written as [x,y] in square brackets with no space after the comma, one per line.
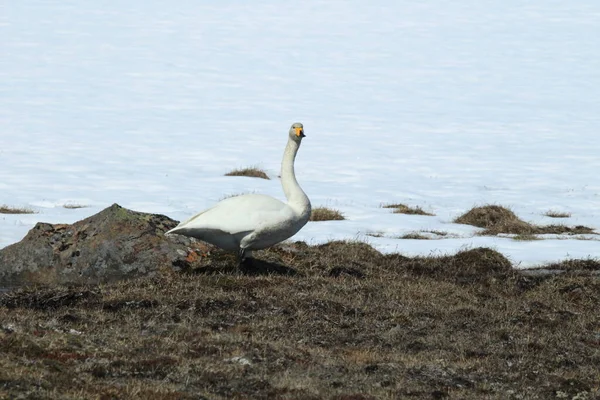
[336,321]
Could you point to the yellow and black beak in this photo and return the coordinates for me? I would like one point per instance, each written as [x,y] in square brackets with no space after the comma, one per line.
[300,132]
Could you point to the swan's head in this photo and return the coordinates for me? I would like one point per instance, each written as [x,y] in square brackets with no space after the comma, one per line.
[297,132]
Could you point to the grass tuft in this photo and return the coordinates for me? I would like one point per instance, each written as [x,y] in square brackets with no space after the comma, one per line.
[557,214]
[415,235]
[253,172]
[587,264]
[4,209]
[326,214]
[72,206]
[404,209]
[497,219]
[524,237]
[493,216]
[439,233]
[376,234]
[420,235]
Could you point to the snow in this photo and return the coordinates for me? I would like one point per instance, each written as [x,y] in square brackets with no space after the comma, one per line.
[443,105]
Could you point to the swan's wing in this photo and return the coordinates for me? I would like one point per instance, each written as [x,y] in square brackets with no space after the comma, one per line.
[238,214]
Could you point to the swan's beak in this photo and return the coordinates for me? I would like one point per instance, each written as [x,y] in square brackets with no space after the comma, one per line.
[300,132]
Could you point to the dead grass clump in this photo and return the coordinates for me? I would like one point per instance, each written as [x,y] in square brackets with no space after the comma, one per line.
[4,209]
[420,235]
[557,214]
[404,209]
[326,214]
[376,234]
[562,229]
[340,253]
[73,206]
[497,219]
[465,267]
[525,237]
[588,264]
[253,172]
[494,218]
[415,236]
[468,266]
[439,233]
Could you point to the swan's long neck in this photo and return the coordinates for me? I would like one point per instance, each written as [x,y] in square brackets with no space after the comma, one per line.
[296,197]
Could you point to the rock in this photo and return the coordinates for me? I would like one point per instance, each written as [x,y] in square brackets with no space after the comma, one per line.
[114,244]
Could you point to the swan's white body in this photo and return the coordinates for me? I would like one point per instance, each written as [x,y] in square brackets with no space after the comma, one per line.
[255,221]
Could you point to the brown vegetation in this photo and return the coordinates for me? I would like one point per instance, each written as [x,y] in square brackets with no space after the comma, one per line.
[525,237]
[404,209]
[557,214]
[414,235]
[497,219]
[4,209]
[326,214]
[422,235]
[588,264]
[73,206]
[252,172]
[335,321]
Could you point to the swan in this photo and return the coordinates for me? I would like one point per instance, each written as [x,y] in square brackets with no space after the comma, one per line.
[255,221]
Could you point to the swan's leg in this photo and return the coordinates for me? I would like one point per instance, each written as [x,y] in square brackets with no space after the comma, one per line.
[244,255]
[241,256]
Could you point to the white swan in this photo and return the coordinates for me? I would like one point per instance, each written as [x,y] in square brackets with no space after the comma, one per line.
[255,221]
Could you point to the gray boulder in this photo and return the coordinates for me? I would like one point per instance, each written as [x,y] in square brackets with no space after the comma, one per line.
[114,244]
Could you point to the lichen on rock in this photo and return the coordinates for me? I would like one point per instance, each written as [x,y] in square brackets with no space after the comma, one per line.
[114,244]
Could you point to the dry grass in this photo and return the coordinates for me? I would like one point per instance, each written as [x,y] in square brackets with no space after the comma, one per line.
[439,233]
[423,235]
[497,219]
[525,237]
[4,209]
[253,172]
[588,264]
[415,235]
[326,214]
[335,321]
[557,214]
[73,206]
[376,234]
[404,209]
